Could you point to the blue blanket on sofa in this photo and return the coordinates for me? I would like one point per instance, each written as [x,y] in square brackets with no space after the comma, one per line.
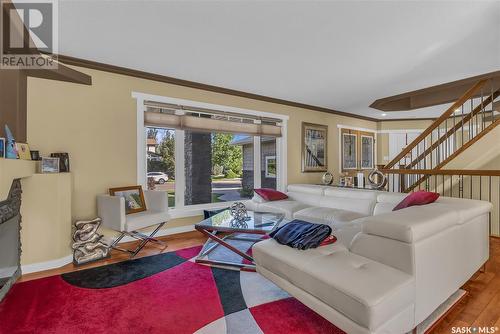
[301,234]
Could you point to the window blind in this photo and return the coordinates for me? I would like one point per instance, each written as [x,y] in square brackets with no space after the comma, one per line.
[208,120]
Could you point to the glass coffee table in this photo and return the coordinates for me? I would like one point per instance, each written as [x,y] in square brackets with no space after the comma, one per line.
[258,224]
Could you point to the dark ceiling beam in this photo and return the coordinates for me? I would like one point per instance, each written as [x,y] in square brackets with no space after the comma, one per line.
[61,73]
[192,84]
[436,95]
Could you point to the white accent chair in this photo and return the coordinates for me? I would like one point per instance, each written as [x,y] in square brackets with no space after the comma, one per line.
[111,209]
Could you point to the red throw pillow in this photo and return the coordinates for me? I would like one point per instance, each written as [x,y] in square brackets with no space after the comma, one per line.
[417,198]
[270,194]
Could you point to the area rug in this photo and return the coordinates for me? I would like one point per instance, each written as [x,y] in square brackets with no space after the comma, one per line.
[165,293]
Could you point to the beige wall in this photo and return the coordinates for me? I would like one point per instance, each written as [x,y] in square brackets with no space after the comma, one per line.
[96,125]
[383,138]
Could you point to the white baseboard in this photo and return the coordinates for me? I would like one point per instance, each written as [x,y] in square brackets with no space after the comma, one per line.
[57,263]
[52,264]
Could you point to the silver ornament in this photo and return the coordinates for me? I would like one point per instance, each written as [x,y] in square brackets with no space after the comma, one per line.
[239,211]
[377,179]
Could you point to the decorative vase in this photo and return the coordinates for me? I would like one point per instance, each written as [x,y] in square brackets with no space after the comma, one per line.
[87,244]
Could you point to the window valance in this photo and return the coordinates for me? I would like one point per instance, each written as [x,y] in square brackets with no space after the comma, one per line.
[199,119]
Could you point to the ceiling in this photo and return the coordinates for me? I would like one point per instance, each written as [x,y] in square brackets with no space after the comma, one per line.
[341,55]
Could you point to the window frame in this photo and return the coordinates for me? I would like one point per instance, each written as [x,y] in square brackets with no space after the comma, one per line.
[180,210]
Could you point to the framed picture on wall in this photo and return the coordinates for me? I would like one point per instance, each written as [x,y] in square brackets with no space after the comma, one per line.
[357,149]
[367,152]
[314,147]
[349,151]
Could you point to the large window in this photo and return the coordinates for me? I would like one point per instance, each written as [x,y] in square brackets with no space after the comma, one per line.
[160,154]
[202,161]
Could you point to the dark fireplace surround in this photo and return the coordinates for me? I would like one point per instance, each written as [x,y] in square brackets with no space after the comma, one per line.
[10,238]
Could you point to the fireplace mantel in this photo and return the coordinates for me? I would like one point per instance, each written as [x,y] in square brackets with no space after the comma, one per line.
[11,169]
[45,211]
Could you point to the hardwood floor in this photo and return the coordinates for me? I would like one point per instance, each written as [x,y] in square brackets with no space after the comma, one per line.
[480,308]
[174,242]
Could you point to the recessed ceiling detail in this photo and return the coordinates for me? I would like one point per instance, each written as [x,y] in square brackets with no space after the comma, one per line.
[339,55]
[436,95]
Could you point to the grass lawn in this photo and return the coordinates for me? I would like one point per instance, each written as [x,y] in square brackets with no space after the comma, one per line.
[171,198]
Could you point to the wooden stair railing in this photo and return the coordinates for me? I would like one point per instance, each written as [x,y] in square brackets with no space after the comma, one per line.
[458,104]
[453,130]
[452,156]
[448,136]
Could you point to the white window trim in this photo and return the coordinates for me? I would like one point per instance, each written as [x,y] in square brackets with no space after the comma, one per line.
[180,209]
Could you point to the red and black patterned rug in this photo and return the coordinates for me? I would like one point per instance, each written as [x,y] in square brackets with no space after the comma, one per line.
[165,293]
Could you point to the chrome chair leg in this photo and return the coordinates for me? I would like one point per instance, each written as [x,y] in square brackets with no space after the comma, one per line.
[139,236]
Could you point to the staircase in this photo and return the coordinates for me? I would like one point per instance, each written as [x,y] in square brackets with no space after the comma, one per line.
[469,119]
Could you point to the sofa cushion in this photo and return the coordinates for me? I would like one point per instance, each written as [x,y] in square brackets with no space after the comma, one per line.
[360,201]
[257,199]
[270,194]
[467,209]
[286,207]
[328,216]
[306,189]
[420,197]
[387,201]
[368,292]
[412,224]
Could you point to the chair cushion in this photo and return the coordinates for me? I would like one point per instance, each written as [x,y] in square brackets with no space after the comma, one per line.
[286,207]
[137,221]
[368,292]
[328,216]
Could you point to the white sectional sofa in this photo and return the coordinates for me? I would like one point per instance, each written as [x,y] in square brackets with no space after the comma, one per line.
[389,270]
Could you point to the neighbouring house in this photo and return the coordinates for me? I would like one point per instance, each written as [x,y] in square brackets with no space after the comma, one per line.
[268,161]
[151,145]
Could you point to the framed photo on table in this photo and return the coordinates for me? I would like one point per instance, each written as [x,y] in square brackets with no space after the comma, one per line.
[48,165]
[314,147]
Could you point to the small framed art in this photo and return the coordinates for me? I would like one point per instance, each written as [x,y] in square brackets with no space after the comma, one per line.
[134,198]
[63,161]
[48,165]
[23,151]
